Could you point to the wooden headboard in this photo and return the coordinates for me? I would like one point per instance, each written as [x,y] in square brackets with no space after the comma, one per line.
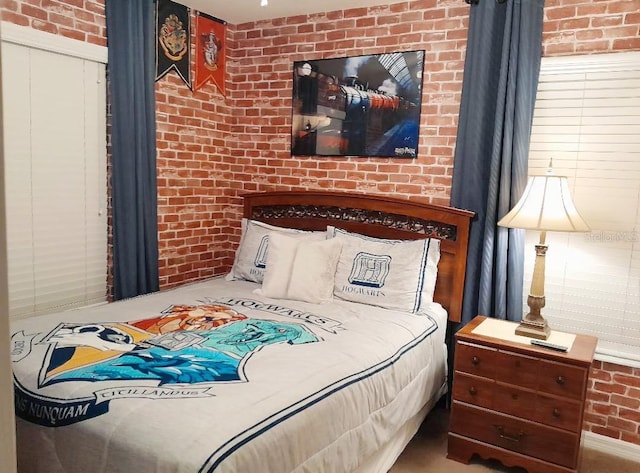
[377,216]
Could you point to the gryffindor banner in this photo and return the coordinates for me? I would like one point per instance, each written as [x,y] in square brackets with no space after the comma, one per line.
[210,52]
[173,40]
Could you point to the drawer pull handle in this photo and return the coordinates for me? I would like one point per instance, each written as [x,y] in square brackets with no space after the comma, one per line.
[556,412]
[475,360]
[473,391]
[512,438]
[560,380]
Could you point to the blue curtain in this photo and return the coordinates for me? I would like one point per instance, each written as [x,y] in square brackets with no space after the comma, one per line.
[501,71]
[131,69]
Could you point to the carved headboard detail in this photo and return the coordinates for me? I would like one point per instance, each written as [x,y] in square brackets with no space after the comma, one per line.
[428,228]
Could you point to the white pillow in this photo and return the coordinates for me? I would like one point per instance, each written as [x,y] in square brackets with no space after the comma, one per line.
[251,256]
[282,252]
[395,274]
[300,269]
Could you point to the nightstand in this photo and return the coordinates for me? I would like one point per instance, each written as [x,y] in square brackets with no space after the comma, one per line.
[517,403]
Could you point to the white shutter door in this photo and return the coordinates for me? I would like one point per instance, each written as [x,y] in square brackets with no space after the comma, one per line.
[55,142]
[17,166]
[587,118]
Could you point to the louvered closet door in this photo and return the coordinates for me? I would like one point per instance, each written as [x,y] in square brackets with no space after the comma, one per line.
[55,164]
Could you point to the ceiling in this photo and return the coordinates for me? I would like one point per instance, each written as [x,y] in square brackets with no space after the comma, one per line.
[236,12]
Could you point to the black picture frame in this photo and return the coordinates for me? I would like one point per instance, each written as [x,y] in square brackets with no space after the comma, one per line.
[367,105]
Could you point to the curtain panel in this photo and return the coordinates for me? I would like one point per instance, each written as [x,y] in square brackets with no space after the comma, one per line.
[131,72]
[490,166]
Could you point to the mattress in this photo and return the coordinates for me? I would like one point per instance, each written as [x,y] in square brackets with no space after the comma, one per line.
[213,377]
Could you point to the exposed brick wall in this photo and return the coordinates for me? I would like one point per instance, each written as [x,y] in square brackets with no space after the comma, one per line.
[213,148]
[590,27]
[262,72]
[613,402]
[195,172]
[83,20]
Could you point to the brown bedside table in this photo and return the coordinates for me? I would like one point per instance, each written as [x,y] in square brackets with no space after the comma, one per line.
[517,403]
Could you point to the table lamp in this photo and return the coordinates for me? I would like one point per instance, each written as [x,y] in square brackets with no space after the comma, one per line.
[545,205]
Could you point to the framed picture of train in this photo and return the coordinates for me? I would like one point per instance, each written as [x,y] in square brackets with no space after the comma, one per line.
[358,106]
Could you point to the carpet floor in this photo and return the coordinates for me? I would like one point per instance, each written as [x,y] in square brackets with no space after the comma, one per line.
[427,452]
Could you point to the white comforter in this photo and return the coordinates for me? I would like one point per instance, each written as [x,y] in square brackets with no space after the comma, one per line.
[211,377]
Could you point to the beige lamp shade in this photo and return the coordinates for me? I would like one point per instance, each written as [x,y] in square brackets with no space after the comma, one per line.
[545,205]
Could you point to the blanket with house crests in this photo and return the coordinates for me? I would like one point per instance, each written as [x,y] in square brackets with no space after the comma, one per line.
[212,377]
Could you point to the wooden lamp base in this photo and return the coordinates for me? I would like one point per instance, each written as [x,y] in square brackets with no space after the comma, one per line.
[533,329]
[533,324]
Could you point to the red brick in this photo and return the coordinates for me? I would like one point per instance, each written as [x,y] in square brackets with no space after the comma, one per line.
[606,21]
[623,6]
[589,35]
[72,33]
[388,20]
[44,26]
[600,375]
[411,17]
[597,396]
[591,8]
[574,23]
[34,12]
[604,409]
[400,29]
[626,44]
[423,4]
[365,22]
[559,13]
[558,49]
[631,415]
[609,388]
[591,418]
[621,32]
[631,438]
[624,380]
[355,12]
[621,425]
[15,18]
[607,432]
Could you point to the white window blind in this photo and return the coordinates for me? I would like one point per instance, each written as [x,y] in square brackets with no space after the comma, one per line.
[54,108]
[587,118]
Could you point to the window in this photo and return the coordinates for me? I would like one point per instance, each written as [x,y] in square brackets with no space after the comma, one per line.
[587,118]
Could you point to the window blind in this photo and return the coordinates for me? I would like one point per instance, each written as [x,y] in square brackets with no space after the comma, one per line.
[55,167]
[587,119]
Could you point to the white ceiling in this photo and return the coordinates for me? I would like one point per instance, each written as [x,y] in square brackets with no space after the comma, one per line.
[236,12]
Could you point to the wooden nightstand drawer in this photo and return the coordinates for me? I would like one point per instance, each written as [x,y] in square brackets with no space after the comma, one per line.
[475,359]
[517,369]
[562,379]
[512,400]
[561,413]
[473,389]
[528,438]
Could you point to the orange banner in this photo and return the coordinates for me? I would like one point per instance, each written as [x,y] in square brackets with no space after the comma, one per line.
[210,52]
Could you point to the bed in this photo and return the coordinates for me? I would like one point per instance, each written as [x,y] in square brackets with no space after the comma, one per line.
[318,355]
